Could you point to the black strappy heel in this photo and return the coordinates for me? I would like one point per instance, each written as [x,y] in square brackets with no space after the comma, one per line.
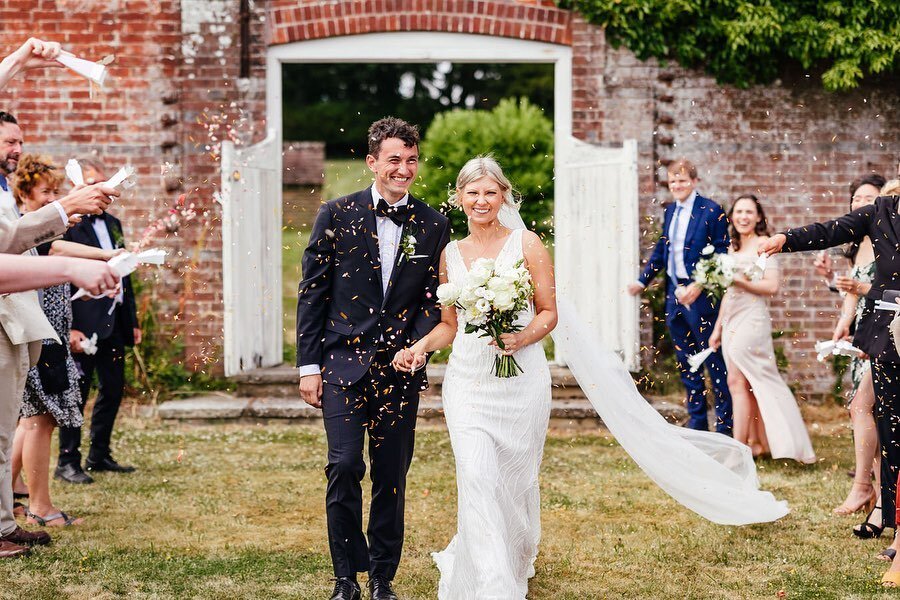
[867,530]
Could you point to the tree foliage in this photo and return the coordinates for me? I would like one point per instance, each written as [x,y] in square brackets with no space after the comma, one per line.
[516,133]
[746,42]
[337,102]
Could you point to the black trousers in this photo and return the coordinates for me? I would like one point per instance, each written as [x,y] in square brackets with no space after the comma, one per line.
[886,380]
[109,364]
[383,405]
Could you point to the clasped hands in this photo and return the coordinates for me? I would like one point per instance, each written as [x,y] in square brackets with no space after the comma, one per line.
[409,360]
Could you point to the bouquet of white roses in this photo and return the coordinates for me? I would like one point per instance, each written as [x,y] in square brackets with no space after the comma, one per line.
[714,272]
[489,301]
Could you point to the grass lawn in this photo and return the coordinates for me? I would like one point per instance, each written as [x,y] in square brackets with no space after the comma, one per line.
[236,511]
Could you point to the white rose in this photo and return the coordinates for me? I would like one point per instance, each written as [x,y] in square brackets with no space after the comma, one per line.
[481,271]
[467,297]
[708,249]
[474,317]
[505,300]
[411,240]
[448,293]
[700,276]
[482,305]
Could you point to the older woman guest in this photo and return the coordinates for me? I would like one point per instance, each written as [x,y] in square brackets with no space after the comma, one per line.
[51,393]
[766,416]
[879,221]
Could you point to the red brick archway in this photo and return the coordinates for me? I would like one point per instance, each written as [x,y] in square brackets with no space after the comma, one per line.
[541,21]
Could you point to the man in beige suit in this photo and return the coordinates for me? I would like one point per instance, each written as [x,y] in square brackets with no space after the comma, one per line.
[22,322]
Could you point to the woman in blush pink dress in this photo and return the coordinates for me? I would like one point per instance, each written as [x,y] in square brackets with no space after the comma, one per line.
[766,416]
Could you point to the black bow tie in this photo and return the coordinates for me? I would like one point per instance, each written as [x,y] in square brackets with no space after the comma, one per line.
[397,214]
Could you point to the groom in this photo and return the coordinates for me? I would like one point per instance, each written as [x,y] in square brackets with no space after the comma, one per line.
[370,275]
[690,224]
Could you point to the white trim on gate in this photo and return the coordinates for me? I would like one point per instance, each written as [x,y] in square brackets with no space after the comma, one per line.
[420,47]
[426,47]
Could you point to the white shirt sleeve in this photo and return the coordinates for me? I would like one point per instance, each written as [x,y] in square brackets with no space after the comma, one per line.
[62,212]
[310,370]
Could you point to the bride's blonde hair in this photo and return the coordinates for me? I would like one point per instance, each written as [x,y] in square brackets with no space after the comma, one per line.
[475,169]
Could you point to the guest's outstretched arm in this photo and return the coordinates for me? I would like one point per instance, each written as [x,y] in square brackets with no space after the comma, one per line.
[852,227]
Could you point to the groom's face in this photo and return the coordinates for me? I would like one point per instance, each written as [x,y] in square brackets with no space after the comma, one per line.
[395,168]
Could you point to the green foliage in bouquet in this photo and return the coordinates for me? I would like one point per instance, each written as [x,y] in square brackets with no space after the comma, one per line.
[750,42]
[516,133]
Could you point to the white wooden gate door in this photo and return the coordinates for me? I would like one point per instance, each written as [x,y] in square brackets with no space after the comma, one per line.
[597,234]
[251,254]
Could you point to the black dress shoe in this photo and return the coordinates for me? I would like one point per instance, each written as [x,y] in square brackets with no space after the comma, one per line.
[107,464]
[72,474]
[380,588]
[345,589]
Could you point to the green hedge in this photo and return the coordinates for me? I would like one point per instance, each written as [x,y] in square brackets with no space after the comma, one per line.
[516,133]
[747,42]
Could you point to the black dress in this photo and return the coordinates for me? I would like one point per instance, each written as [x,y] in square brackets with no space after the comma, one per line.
[56,369]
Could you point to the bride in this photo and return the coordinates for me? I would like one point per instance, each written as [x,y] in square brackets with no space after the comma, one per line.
[498,425]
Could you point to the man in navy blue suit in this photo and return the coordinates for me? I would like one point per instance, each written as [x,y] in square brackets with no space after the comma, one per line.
[691,223]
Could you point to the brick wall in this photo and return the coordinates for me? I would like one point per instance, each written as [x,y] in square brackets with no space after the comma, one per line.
[174,94]
[303,162]
[178,92]
[792,144]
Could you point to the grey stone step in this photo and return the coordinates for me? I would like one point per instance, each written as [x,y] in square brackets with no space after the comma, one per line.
[564,413]
[281,381]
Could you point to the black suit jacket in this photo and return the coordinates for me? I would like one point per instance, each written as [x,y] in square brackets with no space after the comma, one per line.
[341,310]
[93,316]
[881,222]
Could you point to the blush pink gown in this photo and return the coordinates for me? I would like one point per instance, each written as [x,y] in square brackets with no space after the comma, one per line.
[747,346]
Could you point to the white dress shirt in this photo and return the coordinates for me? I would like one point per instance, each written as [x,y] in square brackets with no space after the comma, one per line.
[389,236]
[106,243]
[681,218]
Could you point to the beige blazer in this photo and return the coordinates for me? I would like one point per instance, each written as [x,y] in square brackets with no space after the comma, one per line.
[18,235]
[21,315]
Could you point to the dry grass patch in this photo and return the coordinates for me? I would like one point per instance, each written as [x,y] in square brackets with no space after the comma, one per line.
[233,511]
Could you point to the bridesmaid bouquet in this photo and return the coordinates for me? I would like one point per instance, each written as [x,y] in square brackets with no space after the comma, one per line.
[489,301]
[714,272]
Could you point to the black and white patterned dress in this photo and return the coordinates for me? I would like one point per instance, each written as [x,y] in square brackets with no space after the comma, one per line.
[64,406]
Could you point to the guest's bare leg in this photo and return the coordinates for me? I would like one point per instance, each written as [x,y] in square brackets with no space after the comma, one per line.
[865,443]
[18,485]
[742,404]
[36,461]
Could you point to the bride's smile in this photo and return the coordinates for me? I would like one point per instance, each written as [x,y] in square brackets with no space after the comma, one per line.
[481,201]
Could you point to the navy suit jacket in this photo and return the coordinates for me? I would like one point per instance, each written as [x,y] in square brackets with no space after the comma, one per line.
[342,313]
[93,316]
[708,226]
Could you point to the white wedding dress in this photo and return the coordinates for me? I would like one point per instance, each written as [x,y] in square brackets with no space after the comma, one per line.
[497,430]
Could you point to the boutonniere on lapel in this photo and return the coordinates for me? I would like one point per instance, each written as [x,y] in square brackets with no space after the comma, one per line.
[408,243]
[118,239]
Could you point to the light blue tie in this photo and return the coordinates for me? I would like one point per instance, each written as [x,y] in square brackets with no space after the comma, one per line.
[672,233]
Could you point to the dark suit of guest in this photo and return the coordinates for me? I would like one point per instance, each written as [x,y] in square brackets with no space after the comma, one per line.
[114,321]
[350,327]
[881,222]
[690,327]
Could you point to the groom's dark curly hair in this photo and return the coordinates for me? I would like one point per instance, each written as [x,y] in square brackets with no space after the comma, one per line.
[391,127]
